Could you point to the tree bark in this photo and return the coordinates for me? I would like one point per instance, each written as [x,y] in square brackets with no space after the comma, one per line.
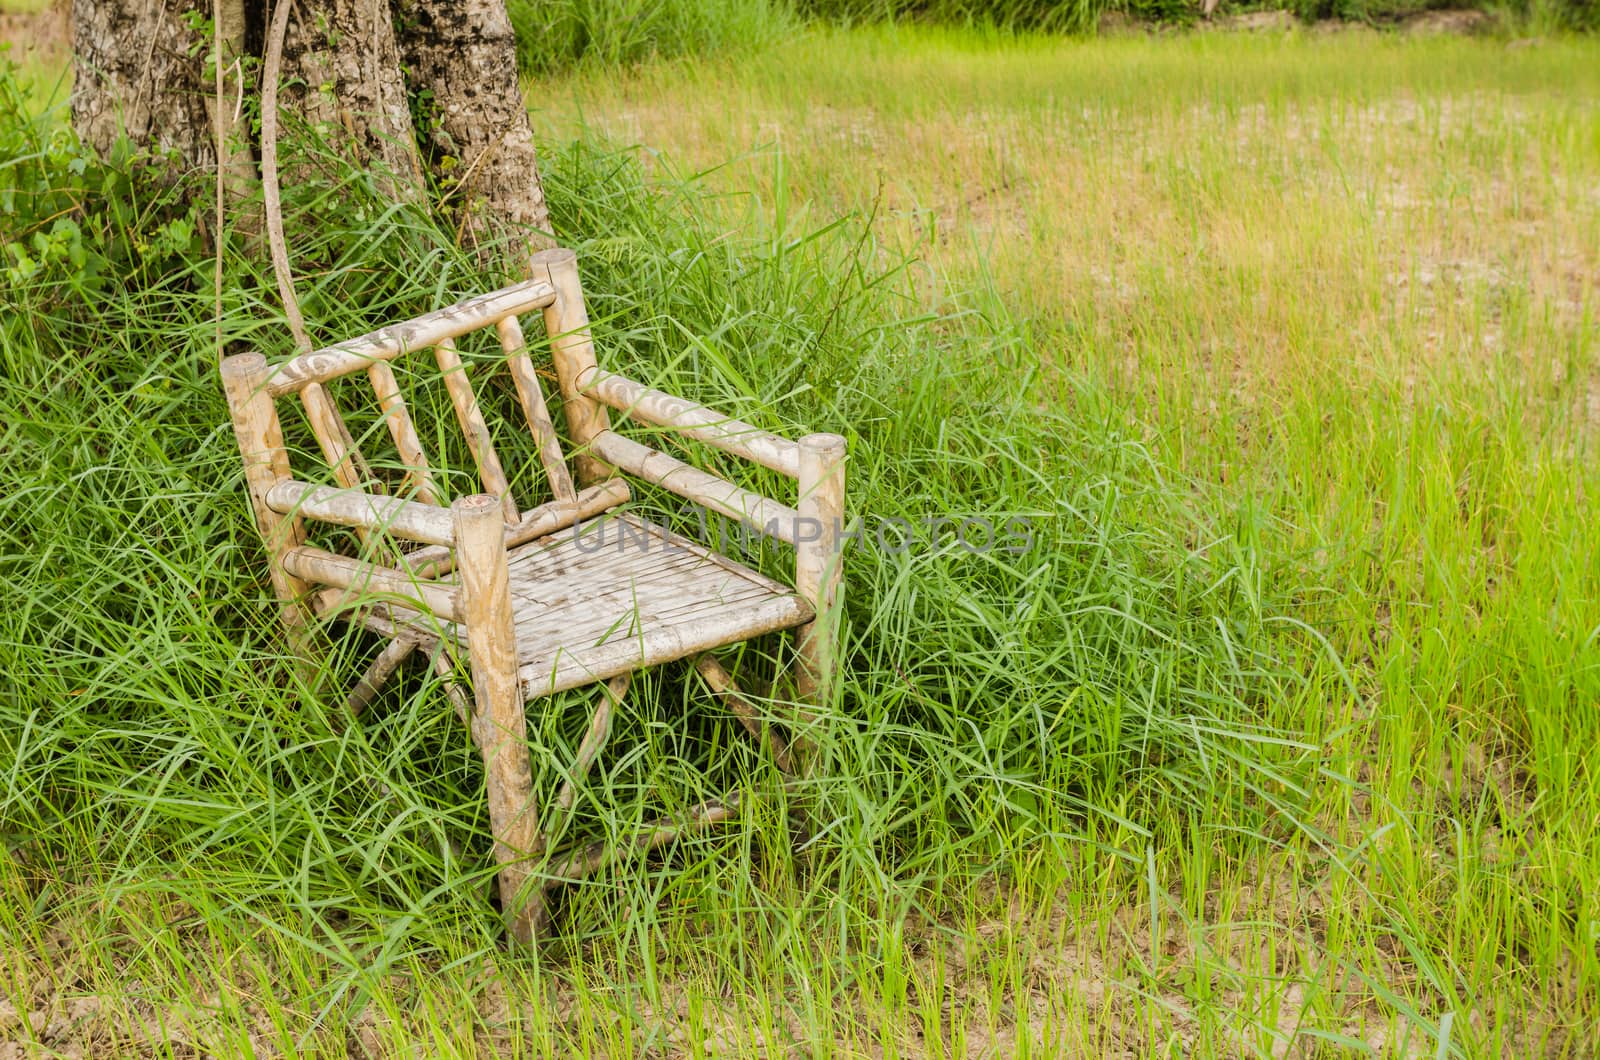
[140,71]
[226,108]
[351,69]
[464,55]
[341,73]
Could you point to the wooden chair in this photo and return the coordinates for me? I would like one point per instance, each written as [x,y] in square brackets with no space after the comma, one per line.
[535,609]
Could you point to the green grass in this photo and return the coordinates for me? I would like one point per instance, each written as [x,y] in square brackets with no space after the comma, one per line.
[607,33]
[1287,347]
[1336,288]
[1083,16]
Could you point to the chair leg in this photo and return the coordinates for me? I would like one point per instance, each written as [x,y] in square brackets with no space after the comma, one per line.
[725,688]
[394,653]
[578,861]
[500,724]
[819,575]
[266,463]
[589,748]
[443,663]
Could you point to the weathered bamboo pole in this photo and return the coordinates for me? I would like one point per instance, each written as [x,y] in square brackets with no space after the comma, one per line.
[819,573]
[339,448]
[389,659]
[595,856]
[370,511]
[693,420]
[470,416]
[572,350]
[536,522]
[589,748]
[385,344]
[443,663]
[346,572]
[530,395]
[500,724]
[403,431]
[707,490]
[722,684]
[266,464]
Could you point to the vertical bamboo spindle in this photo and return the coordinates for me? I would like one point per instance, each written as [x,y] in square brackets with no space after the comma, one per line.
[469,414]
[819,571]
[266,463]
[572,349]
[498,720]
[404,432]
[530,395]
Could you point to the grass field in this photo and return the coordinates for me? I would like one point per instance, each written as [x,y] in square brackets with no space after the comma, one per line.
[1345,294]
[1276,743]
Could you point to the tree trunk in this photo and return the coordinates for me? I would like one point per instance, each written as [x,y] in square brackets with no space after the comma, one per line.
[351,68]
[464,55]
[229,129]
[140,71]
[341,73]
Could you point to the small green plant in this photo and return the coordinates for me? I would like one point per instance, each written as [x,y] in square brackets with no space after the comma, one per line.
[70,221]
[43,178]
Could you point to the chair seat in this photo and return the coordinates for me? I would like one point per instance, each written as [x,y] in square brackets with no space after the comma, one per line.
[622,594]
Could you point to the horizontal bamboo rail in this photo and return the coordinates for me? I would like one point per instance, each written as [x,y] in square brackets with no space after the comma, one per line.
[576,865]
[558,515]
[428,524]
[716,494]
[344,572]
[692,420]
[402,518]
[385,344]
[536,522]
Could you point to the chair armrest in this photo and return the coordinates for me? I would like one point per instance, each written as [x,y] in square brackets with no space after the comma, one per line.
[695,421]
[370,511]
[705,489]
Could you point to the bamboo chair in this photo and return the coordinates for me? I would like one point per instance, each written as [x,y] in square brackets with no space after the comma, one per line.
[515,590]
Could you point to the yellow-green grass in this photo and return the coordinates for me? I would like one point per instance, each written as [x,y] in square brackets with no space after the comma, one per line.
[1320,314]
[1348,288]
[37,38]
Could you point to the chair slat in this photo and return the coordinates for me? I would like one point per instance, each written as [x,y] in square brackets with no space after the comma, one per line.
[470,416]
[350,469]
[385,344]
[404,433]
[531,396]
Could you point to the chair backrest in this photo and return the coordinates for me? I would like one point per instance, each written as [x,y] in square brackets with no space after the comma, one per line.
[377,354]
